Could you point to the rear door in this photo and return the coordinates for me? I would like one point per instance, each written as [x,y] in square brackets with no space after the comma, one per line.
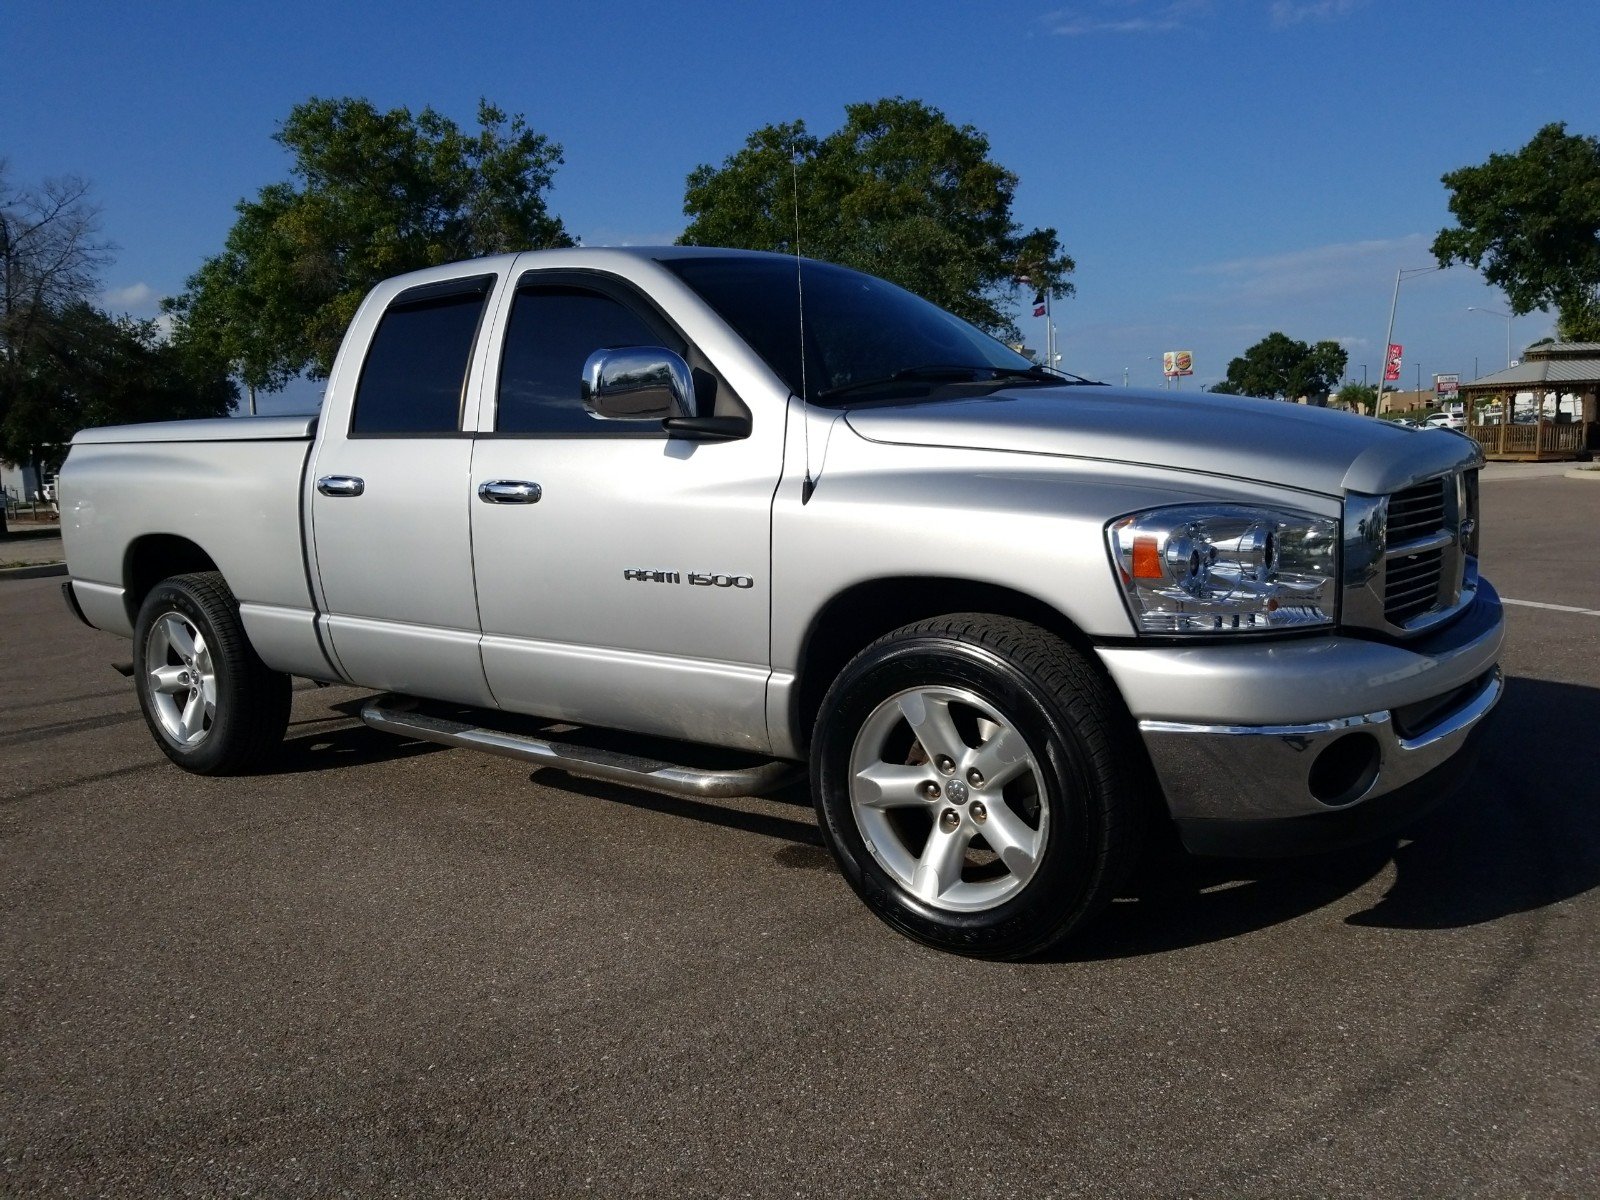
[389,509]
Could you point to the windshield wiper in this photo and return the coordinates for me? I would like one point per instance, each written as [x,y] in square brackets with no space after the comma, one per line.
[935,374]
[952,373]
[1046,375]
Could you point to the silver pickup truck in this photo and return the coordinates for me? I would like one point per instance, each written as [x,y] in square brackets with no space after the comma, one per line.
[745,512]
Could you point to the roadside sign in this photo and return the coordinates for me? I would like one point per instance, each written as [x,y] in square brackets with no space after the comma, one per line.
[1177,362]
[1447,387]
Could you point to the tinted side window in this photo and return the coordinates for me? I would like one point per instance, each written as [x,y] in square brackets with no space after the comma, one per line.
[553,330]
[760,299]
[417,366]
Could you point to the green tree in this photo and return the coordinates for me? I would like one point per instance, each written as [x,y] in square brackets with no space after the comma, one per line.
[372,194]
[898,191]
[1530,222]
[1361,396]
[50,257]
[1280,368]
[90,369]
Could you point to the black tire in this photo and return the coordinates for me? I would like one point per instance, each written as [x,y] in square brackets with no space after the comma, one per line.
[1084,764]
[249,702]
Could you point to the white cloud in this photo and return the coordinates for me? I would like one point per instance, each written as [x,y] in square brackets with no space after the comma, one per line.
[1124,16]
[1318,270]
[1293,12]
[138,298]
[1166,16]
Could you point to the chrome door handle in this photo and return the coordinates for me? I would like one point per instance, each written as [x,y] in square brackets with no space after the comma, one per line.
[341,485]
[509,491]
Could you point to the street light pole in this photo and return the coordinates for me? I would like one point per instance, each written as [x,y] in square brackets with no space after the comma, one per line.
[1388,338]
[1506,317]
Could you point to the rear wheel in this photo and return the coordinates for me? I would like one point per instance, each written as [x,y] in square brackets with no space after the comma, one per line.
[212,705]
[975,779]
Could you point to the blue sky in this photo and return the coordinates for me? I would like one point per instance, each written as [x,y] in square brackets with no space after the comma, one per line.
[1218,168]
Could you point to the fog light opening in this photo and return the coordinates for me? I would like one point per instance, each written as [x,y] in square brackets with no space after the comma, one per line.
[1345,769]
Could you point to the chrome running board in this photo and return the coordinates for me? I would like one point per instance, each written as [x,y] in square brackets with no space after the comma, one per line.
[397,714]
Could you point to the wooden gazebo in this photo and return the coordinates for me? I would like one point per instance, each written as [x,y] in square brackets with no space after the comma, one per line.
[1567,373]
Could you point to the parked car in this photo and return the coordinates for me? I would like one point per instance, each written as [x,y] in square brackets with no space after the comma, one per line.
[1010,621]
[1445,420]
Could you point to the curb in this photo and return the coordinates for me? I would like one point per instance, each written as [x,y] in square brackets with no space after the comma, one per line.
[1584,473]
[36,571]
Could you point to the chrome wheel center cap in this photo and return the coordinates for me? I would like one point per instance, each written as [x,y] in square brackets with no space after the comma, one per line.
[957,791]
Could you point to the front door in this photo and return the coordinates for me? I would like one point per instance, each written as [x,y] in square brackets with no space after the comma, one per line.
[634,591]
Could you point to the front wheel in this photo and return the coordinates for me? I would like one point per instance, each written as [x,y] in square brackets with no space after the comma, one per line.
[212,705]
[976,781]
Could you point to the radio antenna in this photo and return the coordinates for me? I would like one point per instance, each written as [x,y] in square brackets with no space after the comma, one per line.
[809,485]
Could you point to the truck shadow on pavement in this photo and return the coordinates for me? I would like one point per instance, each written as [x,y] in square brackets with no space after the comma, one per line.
[766,815]
[336,745]
[1523,834]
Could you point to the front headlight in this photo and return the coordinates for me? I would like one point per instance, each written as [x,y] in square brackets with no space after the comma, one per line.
[1226,568]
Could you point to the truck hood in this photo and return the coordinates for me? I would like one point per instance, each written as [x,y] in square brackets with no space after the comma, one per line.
[1267,441]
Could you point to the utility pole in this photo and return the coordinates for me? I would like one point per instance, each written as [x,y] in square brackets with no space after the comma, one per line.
[1507,317]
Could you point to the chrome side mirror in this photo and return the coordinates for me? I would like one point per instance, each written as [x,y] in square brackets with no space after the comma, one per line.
[637,383]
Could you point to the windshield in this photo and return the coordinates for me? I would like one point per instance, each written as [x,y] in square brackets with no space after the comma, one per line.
[859,330]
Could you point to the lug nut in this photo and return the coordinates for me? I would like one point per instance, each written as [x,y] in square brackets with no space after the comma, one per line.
[948,820]
[979,813]
[946,764]
[930,790]
[975,777]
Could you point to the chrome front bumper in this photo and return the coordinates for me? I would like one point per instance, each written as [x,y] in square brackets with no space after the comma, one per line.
[1313,733]
[1245,772]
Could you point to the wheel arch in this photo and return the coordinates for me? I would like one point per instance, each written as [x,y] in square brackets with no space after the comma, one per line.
[152,557]
[860,614]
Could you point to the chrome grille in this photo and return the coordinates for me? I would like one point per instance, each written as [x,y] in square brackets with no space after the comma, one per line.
[1412,576]
[1410,557]
[1411,585]
[1416,512]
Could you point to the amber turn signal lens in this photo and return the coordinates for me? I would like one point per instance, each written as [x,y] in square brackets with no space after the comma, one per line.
[1146,558]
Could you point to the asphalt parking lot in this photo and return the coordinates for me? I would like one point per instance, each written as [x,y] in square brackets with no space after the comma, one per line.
[397,968]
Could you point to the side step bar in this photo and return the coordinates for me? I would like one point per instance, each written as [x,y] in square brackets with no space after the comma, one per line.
[396,714]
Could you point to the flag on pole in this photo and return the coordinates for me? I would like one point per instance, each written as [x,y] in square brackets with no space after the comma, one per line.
[1391,363]
[1038,305]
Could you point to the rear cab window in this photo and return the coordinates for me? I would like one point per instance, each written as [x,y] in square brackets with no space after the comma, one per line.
[415,375]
